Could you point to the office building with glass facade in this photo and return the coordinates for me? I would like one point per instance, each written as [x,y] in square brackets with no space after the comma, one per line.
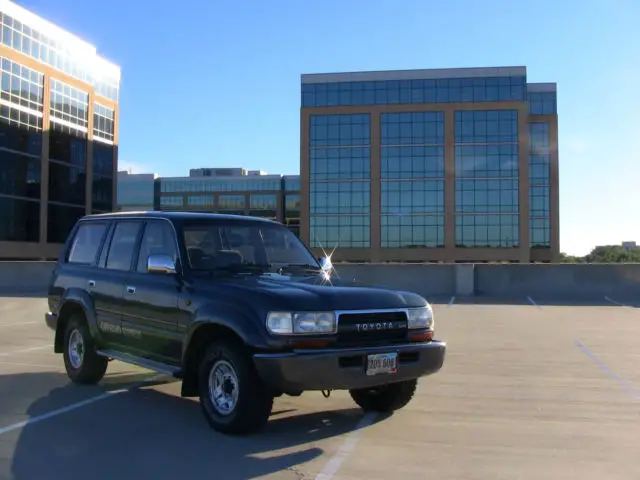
[136,191]
[217,190]
[58,133]
[430,165]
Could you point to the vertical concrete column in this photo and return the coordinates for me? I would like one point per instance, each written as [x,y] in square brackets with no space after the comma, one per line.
[89,159]
[449,185]
[523,183]
[304,178]
[116,140]
[375,187]
[465,279]
[554,190]
[44,161]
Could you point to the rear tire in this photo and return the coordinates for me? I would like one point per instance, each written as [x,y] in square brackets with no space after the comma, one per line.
[233,397]
[83,364]
[386,398]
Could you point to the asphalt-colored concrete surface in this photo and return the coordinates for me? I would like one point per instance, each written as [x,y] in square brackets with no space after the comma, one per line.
[528,391]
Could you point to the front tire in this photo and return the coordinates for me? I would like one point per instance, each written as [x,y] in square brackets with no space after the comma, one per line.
[83,364]
[386,398]
[233,397]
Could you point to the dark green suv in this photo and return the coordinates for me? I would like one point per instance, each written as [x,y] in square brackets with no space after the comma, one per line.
[238,308]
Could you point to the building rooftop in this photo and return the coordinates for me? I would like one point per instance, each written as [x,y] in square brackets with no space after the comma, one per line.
[69,43]
[425,74]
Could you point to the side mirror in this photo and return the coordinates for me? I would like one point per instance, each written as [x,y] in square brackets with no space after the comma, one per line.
[325,263]
[162,264]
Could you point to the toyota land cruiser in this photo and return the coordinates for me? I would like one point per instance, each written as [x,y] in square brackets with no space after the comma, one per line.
[236,307]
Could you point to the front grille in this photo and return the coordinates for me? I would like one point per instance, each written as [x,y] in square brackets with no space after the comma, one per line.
[371,328]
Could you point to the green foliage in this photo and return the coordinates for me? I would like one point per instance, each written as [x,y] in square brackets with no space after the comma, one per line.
[606,254]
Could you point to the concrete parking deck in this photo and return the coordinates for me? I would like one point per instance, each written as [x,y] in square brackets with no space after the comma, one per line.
[528,391]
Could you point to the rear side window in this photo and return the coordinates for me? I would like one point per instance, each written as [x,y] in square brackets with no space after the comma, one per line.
[86,243]
[122,245]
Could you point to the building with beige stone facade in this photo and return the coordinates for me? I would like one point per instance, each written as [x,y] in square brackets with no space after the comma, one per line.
[449,165]
[58,133]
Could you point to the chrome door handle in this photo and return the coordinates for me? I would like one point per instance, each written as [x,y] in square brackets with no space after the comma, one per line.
[131,290]
[92,283]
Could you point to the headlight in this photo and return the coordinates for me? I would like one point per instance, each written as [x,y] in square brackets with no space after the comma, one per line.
[421,318]
[301,323]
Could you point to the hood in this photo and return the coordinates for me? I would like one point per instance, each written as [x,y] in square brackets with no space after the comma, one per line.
[304,293]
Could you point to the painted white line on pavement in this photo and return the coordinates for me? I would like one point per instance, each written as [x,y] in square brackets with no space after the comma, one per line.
[611,300]
[30,349]
[333,465]
[22,364]
[71,407]
[533,303]
[17,324]
[453,299]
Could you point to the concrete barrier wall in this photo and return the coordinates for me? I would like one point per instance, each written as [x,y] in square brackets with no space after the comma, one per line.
[562,281]
[426,280]
[27,277]
[540,281]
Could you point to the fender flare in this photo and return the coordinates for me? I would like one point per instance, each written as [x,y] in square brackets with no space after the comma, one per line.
[81,298]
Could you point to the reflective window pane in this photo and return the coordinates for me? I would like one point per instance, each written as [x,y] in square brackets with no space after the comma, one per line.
[60,221]
[486,178]
[19,220]
[539,195]
[339,180]
[398,92]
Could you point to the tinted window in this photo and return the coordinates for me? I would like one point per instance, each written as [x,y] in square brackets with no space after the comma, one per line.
[158,239]
[86,243]
[122,245]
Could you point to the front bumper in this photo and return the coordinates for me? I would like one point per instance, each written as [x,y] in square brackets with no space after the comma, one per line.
[344,369]
[51,319]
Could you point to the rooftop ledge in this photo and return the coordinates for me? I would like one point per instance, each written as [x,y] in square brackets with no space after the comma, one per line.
[74,44]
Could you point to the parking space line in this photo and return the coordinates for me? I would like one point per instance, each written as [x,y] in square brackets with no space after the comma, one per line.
[611,300]
[531,301]
[71,407]
[25,350]
[625,384]
[453,299]
[333,465]
[23,364]
[17,323]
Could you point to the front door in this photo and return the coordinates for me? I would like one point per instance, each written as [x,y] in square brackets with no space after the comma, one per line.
[151,310]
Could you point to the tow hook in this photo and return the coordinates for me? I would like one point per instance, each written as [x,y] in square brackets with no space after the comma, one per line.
[326,393]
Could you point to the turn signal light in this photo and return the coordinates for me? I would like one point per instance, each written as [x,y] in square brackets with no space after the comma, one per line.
[421,337]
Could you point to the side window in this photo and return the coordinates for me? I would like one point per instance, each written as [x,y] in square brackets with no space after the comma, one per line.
[86,243]
[158,239]
[122,245]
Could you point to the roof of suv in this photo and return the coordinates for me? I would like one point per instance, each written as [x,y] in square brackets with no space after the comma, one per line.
[179,216]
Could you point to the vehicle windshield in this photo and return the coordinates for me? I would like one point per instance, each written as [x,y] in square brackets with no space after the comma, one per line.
[245,246]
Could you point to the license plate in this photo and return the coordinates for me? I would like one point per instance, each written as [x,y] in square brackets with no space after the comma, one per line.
[382,363]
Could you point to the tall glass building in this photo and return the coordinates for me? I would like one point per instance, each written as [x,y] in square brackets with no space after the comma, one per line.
[58,133]
[430,165]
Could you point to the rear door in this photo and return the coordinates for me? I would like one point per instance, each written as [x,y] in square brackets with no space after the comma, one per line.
[81,272]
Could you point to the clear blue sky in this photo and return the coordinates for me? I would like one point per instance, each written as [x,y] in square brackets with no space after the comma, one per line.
[217,82]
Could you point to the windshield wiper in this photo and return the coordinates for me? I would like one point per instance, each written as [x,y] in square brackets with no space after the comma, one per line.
[251,268]
[305,267]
